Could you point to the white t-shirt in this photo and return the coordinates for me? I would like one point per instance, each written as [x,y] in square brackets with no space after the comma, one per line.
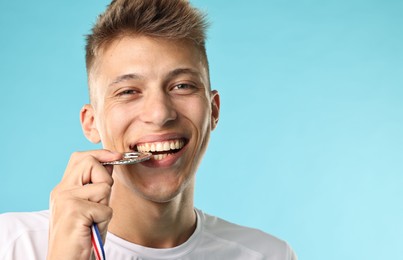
[24,236]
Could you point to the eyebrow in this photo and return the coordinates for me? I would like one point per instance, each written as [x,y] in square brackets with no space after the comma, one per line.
[125,77]
[172,74]
[180,71]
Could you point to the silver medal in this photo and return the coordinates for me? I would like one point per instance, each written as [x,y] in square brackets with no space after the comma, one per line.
[130,158]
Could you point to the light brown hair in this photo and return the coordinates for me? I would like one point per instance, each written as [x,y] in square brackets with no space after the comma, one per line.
[170,19]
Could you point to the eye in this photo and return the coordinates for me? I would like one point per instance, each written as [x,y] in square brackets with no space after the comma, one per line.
[184,88]
[128,92]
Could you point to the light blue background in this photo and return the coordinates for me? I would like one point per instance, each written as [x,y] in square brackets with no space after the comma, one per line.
[310,142]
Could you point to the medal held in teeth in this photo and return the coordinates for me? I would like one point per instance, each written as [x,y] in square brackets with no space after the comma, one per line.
[130,158]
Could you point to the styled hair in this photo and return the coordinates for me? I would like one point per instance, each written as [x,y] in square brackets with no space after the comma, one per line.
[169,19]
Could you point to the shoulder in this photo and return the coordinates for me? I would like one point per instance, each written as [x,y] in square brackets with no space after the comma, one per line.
[17,222]
[253,240]
[23,230]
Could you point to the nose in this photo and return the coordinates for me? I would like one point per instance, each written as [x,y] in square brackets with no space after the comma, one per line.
[158,109]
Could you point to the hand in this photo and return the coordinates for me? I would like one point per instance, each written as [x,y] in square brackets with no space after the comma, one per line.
[78,201]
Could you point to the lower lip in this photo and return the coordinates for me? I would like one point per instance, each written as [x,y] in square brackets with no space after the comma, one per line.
[166,162]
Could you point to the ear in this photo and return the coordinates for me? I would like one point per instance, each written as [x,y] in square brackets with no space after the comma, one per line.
[87,118]
[215,108]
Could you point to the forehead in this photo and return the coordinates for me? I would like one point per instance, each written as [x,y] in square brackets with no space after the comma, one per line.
[147,55]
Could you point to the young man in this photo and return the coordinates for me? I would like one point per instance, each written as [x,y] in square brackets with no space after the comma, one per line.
[150,92]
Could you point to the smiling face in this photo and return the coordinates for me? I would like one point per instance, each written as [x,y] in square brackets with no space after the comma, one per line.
[152,95]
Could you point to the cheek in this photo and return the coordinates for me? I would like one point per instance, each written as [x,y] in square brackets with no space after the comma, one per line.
[198,112]
[114,122]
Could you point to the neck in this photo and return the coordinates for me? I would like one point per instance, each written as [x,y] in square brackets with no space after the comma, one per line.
[152,224]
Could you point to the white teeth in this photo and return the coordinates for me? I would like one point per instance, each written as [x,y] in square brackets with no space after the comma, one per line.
[172,145]
[147,147]
[159,157]
[161,146]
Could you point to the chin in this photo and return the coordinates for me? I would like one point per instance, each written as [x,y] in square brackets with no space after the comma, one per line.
[159,197]
[166,193]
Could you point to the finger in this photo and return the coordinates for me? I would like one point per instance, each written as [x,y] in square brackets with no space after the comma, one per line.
[75,212]
[99,156]
[87,171]
[102,155]
[97,174]
[70,227]
[103,223]
[95,192]
[81,164]
[100,214]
